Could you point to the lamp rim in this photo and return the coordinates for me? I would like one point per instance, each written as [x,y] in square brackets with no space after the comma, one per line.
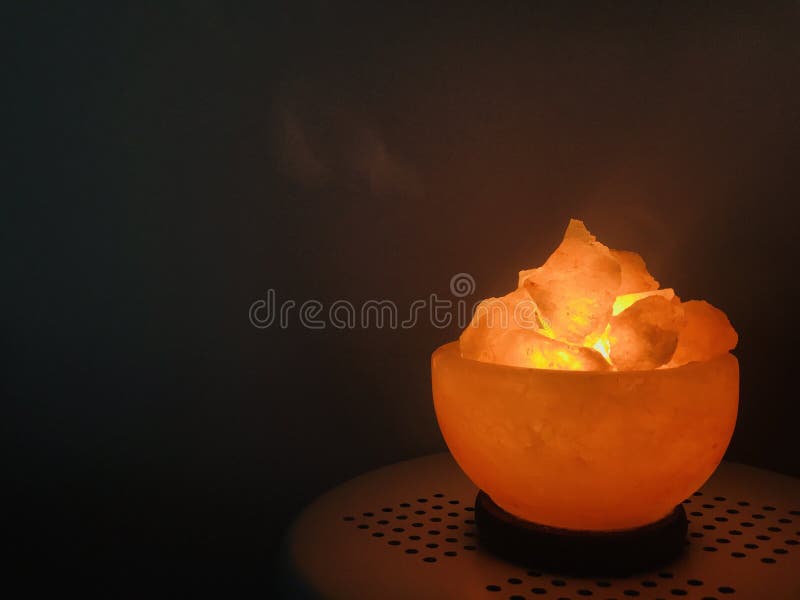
[453,347]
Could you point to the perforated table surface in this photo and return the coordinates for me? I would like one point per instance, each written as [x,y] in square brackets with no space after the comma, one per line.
[407,531]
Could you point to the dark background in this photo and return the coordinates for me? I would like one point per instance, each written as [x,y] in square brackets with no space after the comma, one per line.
[169,164]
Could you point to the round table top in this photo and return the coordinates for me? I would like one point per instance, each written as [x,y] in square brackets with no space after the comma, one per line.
[407,531]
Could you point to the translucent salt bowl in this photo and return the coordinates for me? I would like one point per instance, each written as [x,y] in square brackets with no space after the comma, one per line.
[586,450]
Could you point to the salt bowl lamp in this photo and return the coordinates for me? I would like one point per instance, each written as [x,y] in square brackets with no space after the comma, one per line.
[588,398]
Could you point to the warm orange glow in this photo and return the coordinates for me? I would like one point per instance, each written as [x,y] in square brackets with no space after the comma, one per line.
[585,450]
[625,402]
[628,300]
[589,307]
[602,344]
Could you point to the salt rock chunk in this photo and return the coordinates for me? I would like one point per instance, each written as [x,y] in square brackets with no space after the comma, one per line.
[576,287]
[494,318]
[544,353]
[634,274]
[529,349]
[645,335]
[627,300]
[707,333]
[505,331]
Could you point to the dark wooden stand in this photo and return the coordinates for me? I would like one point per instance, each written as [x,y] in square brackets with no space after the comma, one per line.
[579,552]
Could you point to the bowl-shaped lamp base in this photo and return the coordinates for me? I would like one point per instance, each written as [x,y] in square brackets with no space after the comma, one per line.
[585,450]
[577,552]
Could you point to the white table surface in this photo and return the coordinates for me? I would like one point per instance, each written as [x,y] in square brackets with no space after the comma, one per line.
[357,541]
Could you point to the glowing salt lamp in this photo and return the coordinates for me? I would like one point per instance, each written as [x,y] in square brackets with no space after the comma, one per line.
[598,403]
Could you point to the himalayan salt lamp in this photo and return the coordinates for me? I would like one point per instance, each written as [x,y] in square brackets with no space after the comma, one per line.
[595,414]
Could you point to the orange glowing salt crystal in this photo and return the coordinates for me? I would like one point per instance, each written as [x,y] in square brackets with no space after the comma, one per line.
[506,330]
[707,333]
[627,300]
[589,307]
[645,335]
[575,289]
[635,277]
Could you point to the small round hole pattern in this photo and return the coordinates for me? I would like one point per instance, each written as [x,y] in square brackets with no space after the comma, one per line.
[729,528]
[391,525]
[741,529]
